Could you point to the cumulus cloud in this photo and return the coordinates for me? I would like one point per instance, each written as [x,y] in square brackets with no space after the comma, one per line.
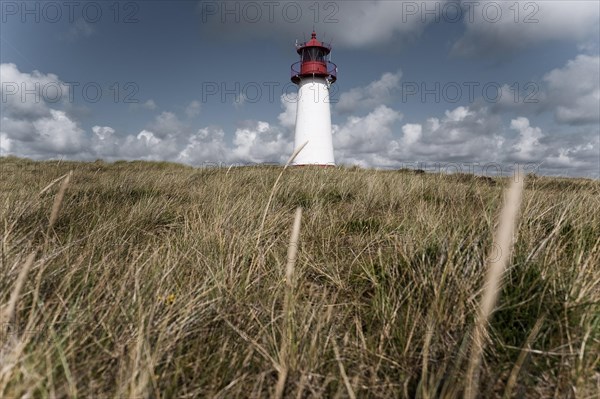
[146,145]
[256,142]
[206,145]
[528,146]
[411,134]
[462,135]
[575,152]
[5,144]
[167,124]
[369,134]
[570,93]
[368,140]
[52,135]
[580,159]
[104,142]
[261,142]
[574,90]
[168,138]
[30,126]
[500,27]
[287,118]
[375,93]
[468,139]
[474,139]
[27,95]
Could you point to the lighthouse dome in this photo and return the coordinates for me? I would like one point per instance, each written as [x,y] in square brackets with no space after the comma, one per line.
[314,42]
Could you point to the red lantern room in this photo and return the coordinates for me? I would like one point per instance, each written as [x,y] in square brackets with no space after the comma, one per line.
[314,61]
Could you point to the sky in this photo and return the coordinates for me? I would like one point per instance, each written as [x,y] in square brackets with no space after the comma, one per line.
[468,86]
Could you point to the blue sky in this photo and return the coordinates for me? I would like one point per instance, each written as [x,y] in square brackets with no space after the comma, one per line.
[208,82]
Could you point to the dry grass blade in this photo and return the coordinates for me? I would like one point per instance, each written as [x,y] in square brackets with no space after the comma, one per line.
[9,312]
[293,249]
[504,239]
[288,306]
[53,182]
[424,383]
[58,200]
[264,216]
[512,380]
[349,389]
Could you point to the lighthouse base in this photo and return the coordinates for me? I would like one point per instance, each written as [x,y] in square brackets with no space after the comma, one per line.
[313,123]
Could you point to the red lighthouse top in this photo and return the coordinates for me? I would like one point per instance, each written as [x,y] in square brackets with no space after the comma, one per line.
[313,42]
[314,61]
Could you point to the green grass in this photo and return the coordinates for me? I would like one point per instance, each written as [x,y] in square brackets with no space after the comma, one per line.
[151,283]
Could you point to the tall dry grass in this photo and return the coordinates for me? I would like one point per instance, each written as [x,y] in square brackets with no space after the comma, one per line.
[150,283]
[504,237]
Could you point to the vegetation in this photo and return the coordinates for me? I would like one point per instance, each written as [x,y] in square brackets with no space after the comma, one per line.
[138,279]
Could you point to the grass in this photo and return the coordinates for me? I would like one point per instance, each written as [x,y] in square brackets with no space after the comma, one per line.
[160,280]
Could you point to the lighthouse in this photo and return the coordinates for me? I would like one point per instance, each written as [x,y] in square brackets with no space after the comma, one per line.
[314,74]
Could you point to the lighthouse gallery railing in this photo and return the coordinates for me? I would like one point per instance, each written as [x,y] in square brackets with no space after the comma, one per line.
[296,69]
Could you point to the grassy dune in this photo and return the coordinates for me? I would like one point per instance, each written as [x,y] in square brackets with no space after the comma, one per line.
[156,280]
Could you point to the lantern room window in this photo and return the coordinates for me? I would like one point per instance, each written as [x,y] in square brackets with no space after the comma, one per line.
[313,54]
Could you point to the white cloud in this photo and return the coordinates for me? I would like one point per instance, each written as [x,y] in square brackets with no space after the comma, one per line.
[261,142]
[147,145]
[58,134]
[148,138]
[375,93]
[571,93]
[104,142]
[30,127]
[474,139]
[559,154]
[500,27]
[48,136]
[528,148]
[26,95]
[462,135]
[365,135]
[17,129]
[287,118]
[575,90]
[103,132]
[5,144]
[167,138]
[411,133]
[458,114]
[167,124]
[108,145]
[206,145]
[577,158]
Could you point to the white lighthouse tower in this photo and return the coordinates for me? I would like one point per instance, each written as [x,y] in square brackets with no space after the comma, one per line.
[314,74]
